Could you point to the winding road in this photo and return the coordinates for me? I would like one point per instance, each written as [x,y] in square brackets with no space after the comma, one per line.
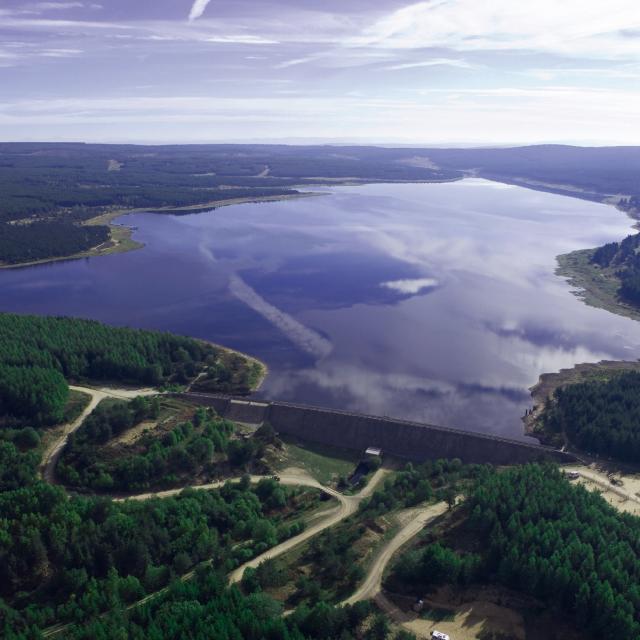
[414,519]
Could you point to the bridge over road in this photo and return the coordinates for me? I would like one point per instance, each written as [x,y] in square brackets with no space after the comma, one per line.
[410,440]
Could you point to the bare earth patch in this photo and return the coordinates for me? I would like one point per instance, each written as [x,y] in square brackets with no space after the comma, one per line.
[624,497]
[477,612]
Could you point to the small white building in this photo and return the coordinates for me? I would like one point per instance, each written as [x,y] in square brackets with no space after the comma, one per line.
[437,635]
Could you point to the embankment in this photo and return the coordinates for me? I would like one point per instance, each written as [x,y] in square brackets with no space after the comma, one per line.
[409,440]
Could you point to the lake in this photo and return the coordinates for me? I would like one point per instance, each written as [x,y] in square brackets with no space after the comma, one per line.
[431,302]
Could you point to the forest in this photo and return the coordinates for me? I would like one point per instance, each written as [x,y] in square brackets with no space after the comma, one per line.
[600,417]
[37,354]
[206,609]
[67,559]
[529,529]
[41,240]
[623,260]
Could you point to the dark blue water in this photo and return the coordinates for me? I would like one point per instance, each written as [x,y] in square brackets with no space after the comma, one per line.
[430,302]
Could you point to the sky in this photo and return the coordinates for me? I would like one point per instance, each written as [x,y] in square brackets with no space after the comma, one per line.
[456,72]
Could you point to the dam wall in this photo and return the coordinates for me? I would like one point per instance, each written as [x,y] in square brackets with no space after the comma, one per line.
[400,438]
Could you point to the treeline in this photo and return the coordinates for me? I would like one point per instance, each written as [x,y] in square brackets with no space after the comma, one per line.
[202,445]
[42,240]
[600,417]
[18,460]
[206,609]
[36,353]
[535,532]
[623,258]
[32,394]
[436,564]
[66,559]
[419,483]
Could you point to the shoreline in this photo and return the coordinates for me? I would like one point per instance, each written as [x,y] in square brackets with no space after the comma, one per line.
[264,368]
[543,390]
[121,241]
[595,286]
[121,236]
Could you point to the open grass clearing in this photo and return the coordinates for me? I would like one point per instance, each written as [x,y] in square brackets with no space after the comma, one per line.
[325,464]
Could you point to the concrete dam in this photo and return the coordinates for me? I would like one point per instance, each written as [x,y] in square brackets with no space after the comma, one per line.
[410,440]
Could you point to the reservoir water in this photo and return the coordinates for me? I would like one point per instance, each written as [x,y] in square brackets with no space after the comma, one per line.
[432,302]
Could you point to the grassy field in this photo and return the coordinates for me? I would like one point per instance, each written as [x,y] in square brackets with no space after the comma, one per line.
[325,464]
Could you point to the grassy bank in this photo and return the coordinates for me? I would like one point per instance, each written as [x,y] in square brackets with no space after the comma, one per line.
[596,286]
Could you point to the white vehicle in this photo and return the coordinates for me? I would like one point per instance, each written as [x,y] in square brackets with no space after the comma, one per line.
[437,635]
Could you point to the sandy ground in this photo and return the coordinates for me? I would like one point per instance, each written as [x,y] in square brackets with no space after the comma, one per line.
[624,498]
[470,620]
[131,435]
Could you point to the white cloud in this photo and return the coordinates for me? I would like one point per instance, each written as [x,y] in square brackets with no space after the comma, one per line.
[60,53]
[411,286]
[57,6]
[240,39]
[570,27]
[434,62]
[295,62]
[483,116]
[198,8]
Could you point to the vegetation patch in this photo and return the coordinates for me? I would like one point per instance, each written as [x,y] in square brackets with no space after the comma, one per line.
[330,567]
[607,277]
[326,464]
[177,445]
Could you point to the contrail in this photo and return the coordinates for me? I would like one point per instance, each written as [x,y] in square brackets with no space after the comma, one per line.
[198,9]
[306,339]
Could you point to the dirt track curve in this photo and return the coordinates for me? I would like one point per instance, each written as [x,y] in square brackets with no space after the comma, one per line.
[418,519]
[52,453]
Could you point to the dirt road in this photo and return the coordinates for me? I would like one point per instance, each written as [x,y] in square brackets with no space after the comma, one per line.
[52,453]
[419,518]
[348,505]
[623,498]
